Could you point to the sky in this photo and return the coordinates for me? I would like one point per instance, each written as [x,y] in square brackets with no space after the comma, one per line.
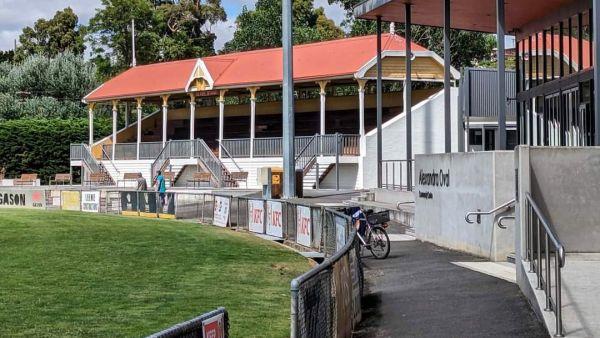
[17,14]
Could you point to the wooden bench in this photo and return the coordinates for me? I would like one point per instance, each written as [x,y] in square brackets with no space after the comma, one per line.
[61,179]
[200,178]
[129,177]
[26,179]
[239,176]
[95,179]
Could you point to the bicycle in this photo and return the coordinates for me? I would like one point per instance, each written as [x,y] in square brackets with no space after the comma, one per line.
[377,239]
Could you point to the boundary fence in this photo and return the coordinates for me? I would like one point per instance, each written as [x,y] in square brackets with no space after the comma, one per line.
[326,300]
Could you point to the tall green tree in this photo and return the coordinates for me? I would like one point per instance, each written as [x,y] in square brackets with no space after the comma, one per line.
[165,30]
[51,37]
[261,27]
[467,48]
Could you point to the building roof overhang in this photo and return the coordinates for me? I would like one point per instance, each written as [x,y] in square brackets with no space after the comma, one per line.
[473,15]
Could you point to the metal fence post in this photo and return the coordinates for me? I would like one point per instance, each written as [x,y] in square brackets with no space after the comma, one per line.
[294,309]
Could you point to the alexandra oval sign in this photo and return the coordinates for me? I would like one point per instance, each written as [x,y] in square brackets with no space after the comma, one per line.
[435,178]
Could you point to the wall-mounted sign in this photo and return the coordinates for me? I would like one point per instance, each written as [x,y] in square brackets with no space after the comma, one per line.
[221,211]
[256,216]
[435,178]
[23,199]
[340,232]
[70,200]
[303,226]
[90,201]
[275,219]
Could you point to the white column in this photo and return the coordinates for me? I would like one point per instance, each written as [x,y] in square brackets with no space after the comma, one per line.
[221,101]
[165,111]
[252,118]
[361,115]
[126,114]
[114,127]
[192,122]
[139,125]
[323,97]
[91,124]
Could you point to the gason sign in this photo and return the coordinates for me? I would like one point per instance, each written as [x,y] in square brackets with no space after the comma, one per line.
[22,199]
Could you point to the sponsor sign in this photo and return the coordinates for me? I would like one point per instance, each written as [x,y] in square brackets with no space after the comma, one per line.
[221,211]
[23,199]
[90,201]
[256,216]
[303,225]
[340,232]
[70,200]
[275,219]
[214,326]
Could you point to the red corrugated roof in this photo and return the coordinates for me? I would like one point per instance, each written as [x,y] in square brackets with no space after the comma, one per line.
[322,60]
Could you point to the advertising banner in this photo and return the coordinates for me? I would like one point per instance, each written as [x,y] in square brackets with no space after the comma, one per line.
[90,201]
[256,216]
[70,200]
[54,199]
[221,214]
[340,232]
[33,199]
[214,326]
[303,225]
[275,219]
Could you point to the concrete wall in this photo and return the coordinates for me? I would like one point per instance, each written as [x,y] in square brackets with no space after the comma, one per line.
[564,182]
[481,180]
[428,134]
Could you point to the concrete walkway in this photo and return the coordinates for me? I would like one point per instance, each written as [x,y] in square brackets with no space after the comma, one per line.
[417,291]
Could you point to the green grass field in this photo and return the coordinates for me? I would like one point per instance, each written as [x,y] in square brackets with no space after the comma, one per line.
[74,274]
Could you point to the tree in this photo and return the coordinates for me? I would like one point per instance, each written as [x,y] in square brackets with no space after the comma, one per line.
[467,48]
[52,37]
[165,30]
[261,27]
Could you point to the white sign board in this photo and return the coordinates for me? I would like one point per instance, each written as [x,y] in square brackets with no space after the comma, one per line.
[221,214]
[256,216]
[274,219]
[303,225]
[340,231]
[90,201]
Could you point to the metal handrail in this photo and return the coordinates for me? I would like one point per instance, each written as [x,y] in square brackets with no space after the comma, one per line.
[110,160]
[479,213]
[212,162]
[229,155]
[155,167]
[501,220]
[533,253]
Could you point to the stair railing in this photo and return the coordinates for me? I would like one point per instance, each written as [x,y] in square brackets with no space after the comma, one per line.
[503,207]
[110,159]
[307,156]
[224,149]
[203,153]
[162,161]
[541,243]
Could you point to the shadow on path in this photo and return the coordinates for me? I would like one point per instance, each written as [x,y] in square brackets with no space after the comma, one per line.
[418,292]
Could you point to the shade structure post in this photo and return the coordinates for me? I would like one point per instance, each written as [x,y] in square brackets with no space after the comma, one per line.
[408,95]
[596,39]
[115,111]
[139,101]
[289,179]
[221,118]
[91,124]
[501,138]
[447,65]
[323,98]
[379,105]
[165,112]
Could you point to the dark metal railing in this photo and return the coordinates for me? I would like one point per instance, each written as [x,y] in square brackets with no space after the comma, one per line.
[237,147]
[268,147]
[543,243]
[203,153]
[397,175]
[307,156]
[225,154]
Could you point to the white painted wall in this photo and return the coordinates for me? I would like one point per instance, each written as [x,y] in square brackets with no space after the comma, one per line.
[428,134]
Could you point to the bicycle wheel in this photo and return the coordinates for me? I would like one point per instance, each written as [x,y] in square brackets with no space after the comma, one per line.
[379,243]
